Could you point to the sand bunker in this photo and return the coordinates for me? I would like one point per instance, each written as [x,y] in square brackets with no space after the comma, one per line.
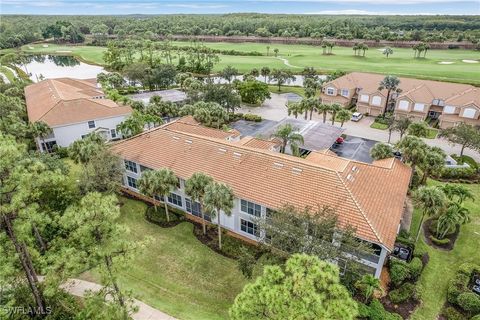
[470,61]
[45,45]
[446,62]
[31,48]
[63,51]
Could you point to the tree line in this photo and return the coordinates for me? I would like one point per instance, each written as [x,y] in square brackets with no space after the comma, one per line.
[17,30]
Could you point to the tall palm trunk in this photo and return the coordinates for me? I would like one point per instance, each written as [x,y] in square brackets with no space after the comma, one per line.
[219,230]
[420,227]
[311,114]
[324,116]
[387,101]
[166,208]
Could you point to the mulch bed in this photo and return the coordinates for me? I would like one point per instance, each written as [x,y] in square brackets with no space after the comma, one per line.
[404,309]
[210,239]
[452,237]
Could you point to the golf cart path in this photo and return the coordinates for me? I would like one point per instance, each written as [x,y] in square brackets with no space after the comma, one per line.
[79,288]
[285,62]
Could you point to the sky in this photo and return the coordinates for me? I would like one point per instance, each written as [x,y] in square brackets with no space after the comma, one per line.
[98,7]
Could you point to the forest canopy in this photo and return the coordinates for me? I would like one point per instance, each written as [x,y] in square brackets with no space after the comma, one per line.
[16,30]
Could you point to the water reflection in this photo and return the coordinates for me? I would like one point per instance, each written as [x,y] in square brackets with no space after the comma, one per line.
[40,67]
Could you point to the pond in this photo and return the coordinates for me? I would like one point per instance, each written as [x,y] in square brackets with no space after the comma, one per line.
[41,67]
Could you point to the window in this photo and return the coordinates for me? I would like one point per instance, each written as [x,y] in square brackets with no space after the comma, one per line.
[376,100]
[175,199]
[249,227]
[131,166]
[469,113]
[403,105]
[132,182]
[113,133]
[179,183]
[195,209]
[91,124]
[330,91]
[345,92]
[449,109]
[364,97]
[250,208]
[49,146]
[418,107]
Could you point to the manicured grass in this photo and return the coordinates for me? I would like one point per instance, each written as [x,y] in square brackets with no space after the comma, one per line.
[287,89]
[378,125]
[442,266]
[401,63]
[176,273]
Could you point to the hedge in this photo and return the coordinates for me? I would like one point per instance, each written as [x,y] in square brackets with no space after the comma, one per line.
[402,294]
[416,267]
[378,312]
[469,302]
[439,242]
[451,313]
[457,173]
[399,272]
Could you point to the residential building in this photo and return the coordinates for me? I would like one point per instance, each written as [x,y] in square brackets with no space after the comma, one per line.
[72,108]
[369,197]
[445,102]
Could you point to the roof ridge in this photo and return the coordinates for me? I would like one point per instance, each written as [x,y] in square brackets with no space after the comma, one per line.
[370,224]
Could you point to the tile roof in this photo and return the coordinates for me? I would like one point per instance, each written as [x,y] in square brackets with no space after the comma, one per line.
[259,143]
[366,196]
[416,89]
[188,124]
[65,101]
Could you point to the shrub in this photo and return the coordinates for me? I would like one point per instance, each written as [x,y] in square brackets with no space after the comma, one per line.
[363,310]
[61,152]
[469,268]
[477,317]
[399,272]
[469,302]
[434,226]
[246,262]
[252,117]
[419,252]
[416,267]
[451,313]
[402,294]
[457,173]
[439,242]
[159,217]
[378,312]
[456,286]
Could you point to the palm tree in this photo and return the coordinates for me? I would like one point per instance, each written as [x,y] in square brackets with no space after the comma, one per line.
[401,125]
[166,182]
[275,51]
[368,284]
[265,72]
[390,121]
[364,48]
[287,134]
[148,185]
[413,150]
[418,129]
[431,199]
[434,161]
[40,129]
[457,192]
[195,188]
[81,151]
[268,51]
[343,115]
[219,197]
[387,51]
[334,108]
[294,108]
[390,83]
[323,109]
[381,151]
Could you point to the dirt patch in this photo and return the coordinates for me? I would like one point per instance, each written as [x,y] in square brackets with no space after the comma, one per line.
[452,237]
[470,61]
[404,309]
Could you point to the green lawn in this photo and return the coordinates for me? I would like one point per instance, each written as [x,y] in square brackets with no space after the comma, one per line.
[287,89]
[177,273]
[432,133]
[401,63]
[378,125]
[443,264]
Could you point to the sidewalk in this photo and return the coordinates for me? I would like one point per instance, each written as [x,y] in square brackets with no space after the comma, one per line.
[78,288]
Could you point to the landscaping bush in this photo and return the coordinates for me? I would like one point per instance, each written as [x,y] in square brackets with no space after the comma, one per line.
[477,317]
[399,272]
[402,294]
[61,152]
[159,217]
[363,310]
[378,312]
[457,173]
[456,286]
[252,117]
[405,239]
[469,302]
[451,313]
[469,268]
[434,226]
[439,242]
[419,252]
[466,159]
[416,267]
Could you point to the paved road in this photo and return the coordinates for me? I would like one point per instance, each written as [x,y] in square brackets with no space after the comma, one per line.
[79,288]
[275,109]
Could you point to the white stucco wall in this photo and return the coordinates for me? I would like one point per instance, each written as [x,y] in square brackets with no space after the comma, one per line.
[66,135]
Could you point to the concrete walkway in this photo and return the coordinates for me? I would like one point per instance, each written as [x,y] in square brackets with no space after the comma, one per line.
[275,109]
[79,288]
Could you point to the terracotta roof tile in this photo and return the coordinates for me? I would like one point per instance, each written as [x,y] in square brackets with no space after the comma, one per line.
[65,101]
[188,124]
[372,202]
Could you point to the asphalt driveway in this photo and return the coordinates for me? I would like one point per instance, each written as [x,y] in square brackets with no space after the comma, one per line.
[355,148]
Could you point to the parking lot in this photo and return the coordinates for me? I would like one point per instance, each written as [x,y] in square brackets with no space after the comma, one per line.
[355,148]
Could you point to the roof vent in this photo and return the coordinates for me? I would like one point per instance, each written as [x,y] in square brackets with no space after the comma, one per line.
[350,177]
[222,150]
[176,138]
[237,155]
[277,165]
[188,141]
[296,170]
[354,169]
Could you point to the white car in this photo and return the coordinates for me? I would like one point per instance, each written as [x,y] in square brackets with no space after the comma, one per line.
[356,116]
